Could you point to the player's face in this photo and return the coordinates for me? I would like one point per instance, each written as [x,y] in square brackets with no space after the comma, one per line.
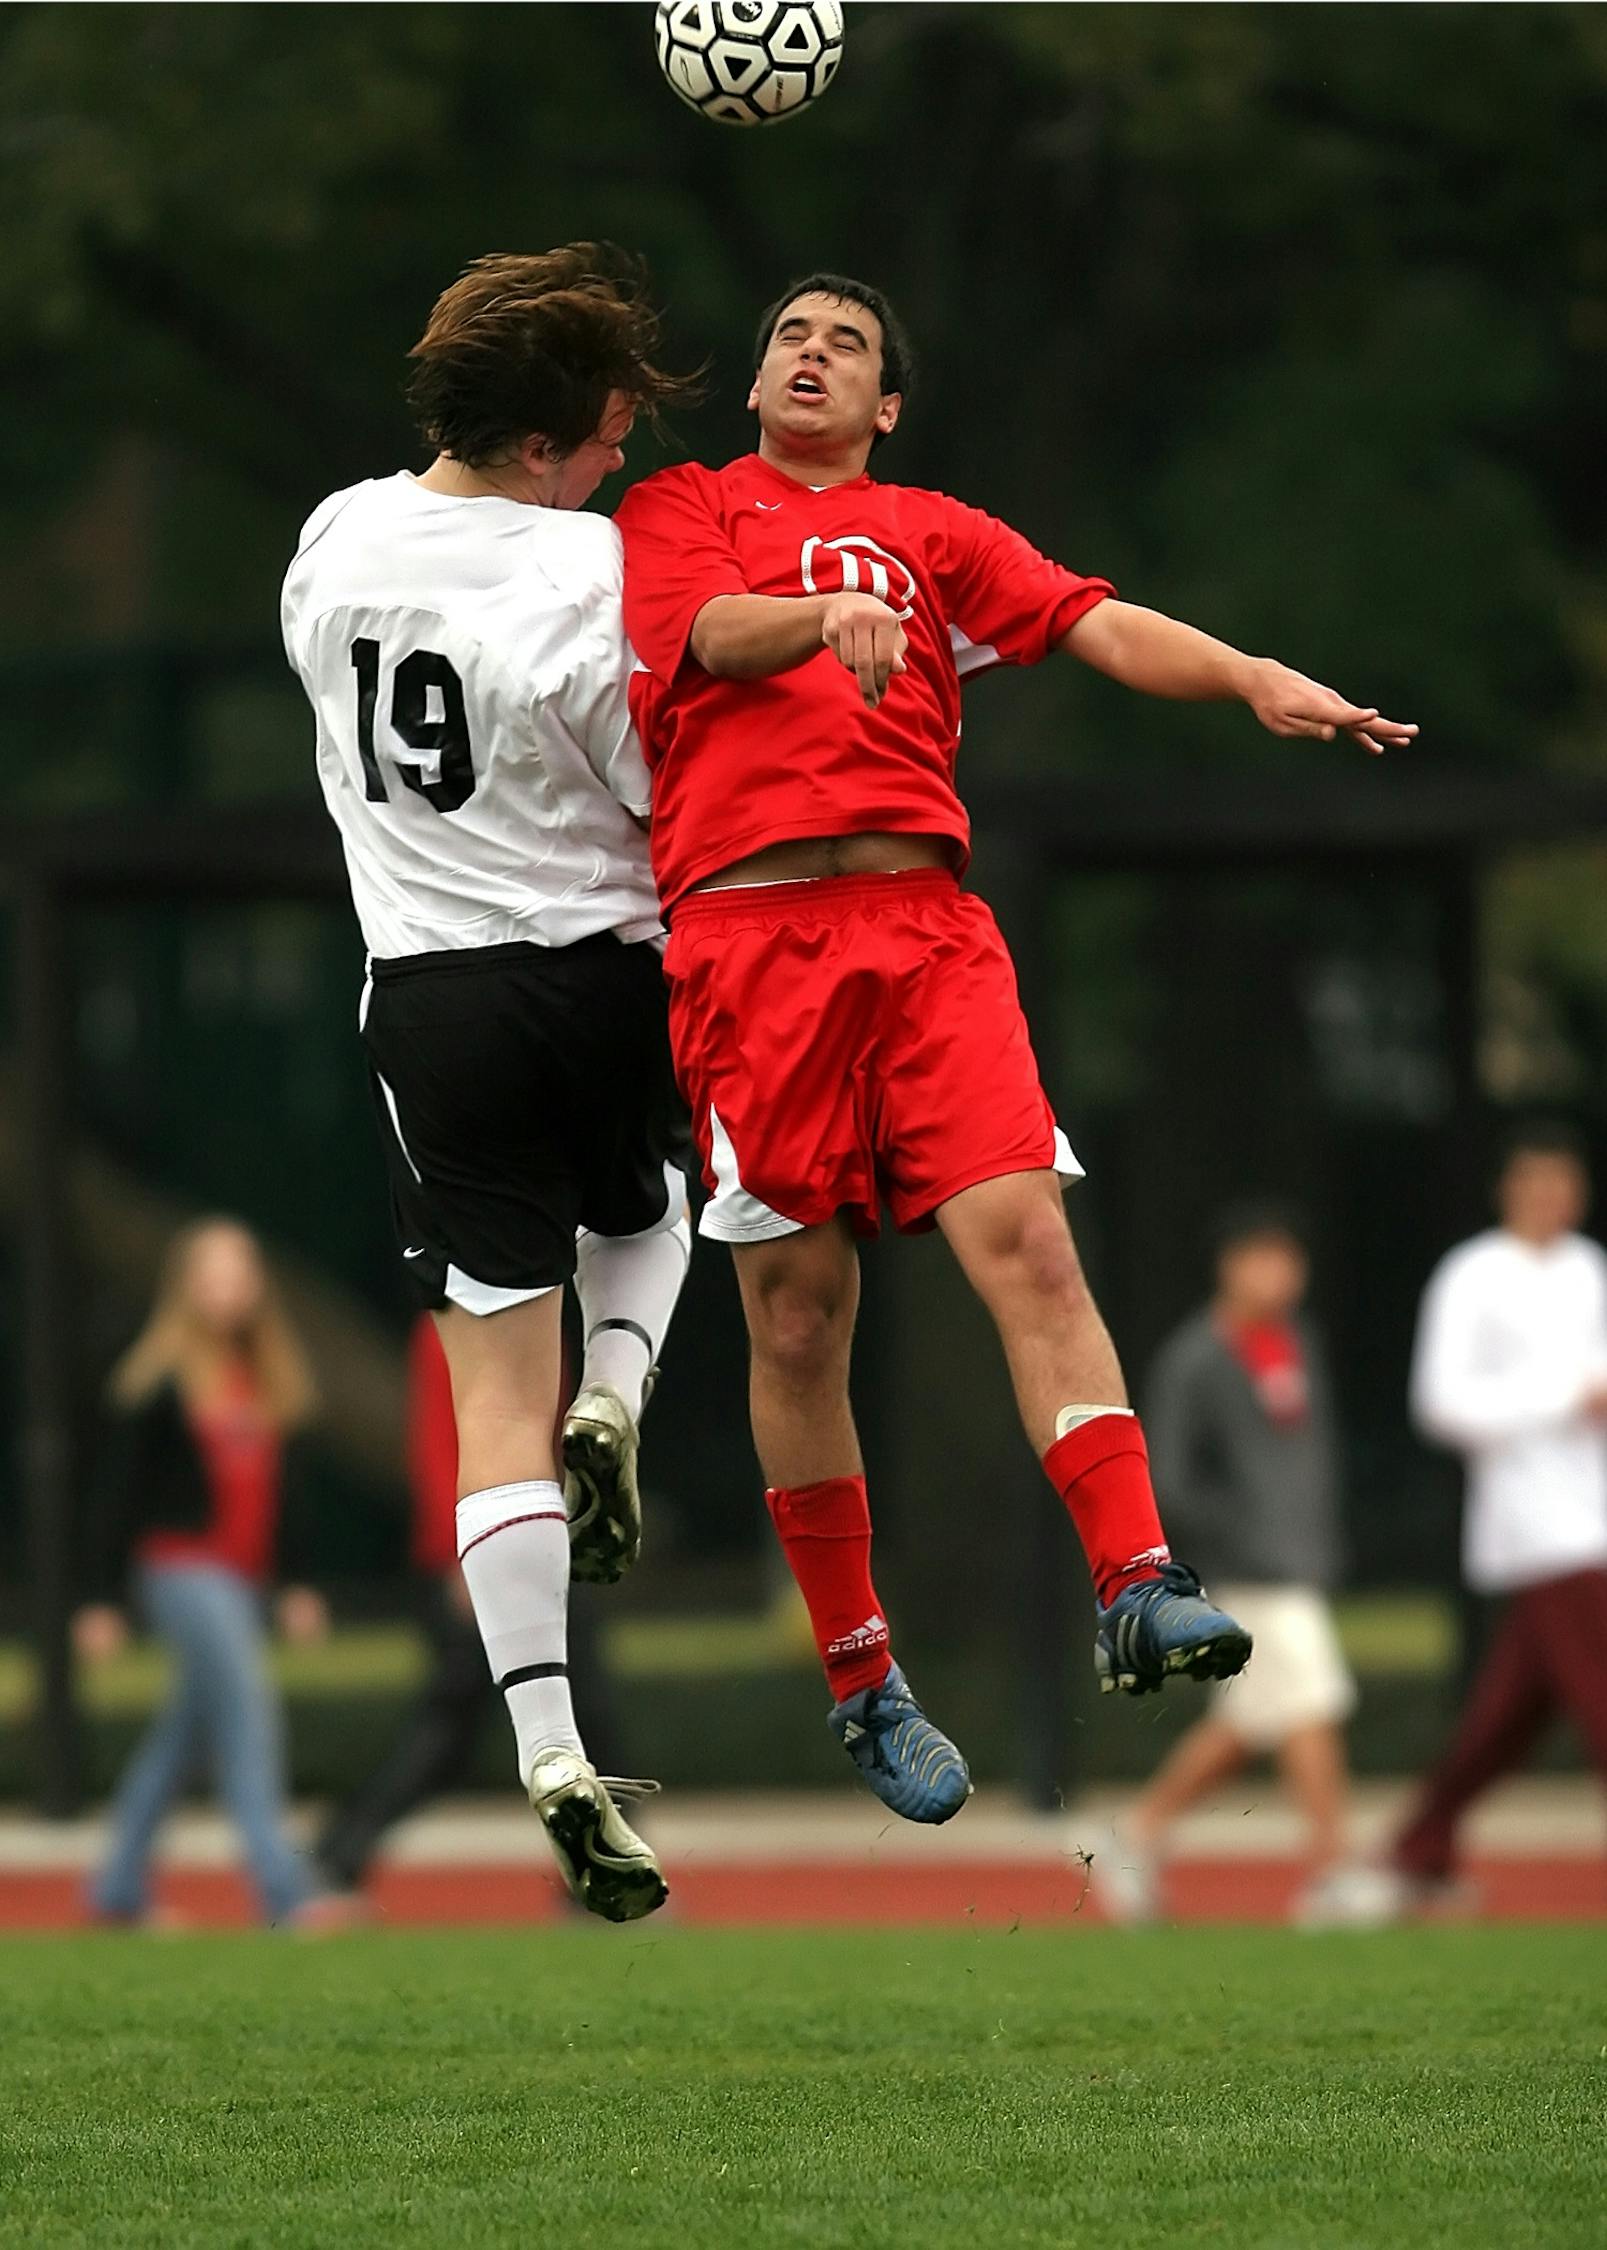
[602,455]
[820,381]
[1543,1195]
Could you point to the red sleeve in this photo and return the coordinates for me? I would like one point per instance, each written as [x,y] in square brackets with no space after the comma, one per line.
[432,1449]
[1006,603]
[677,557]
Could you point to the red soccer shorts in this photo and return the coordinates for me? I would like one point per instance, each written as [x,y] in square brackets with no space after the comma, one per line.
[849,1043]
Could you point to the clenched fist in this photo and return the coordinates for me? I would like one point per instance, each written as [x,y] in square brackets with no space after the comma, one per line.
[865,634]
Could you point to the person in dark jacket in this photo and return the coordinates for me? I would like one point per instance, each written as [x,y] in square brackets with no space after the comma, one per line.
[1246,1458]
[191,1501]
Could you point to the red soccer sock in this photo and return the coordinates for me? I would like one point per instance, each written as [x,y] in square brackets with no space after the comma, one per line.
[824,1531]
[1101,1470]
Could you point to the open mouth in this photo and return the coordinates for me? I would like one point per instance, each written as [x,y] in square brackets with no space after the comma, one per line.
[807,387]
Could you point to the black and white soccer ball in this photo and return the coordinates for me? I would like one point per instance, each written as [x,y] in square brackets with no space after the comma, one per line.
[749,62]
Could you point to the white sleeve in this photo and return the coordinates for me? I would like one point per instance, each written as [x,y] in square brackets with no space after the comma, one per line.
[293,592]
[599,709]
[1462,1403]
[289,615]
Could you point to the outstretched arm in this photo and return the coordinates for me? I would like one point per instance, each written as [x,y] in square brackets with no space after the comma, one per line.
[1160,656]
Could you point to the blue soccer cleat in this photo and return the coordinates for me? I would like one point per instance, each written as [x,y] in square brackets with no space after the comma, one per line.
[1163,1626]
[915,1771]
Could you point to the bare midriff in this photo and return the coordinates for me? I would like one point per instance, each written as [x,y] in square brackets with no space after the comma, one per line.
[806,858]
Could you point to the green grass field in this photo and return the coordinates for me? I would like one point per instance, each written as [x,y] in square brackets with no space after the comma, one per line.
[664,2089]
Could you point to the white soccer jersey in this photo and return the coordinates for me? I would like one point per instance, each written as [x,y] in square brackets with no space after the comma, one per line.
[467,665]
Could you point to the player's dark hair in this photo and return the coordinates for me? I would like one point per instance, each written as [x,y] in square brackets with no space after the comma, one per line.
[524,346]
[898,364]
[1545,1136]
[1263,1219]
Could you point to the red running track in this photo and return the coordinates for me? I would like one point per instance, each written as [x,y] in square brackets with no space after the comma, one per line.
[988,1893]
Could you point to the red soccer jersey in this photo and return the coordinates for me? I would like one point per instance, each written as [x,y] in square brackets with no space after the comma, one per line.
[738,764]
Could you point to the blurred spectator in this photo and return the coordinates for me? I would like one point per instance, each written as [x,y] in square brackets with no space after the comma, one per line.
[1510,1371]
[191,1506]
[1242,1439]
[436,1745]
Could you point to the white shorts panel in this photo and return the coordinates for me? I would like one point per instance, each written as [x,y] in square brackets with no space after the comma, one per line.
[1066,1163]
[1297,1676]
[732,1214]
[483,1297]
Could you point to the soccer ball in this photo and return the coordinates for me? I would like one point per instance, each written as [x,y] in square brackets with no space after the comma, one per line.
[749,62]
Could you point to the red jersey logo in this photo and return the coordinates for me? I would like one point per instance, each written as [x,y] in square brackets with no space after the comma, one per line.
[859,566]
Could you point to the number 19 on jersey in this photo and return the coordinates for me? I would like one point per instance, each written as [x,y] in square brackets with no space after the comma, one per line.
[443,730]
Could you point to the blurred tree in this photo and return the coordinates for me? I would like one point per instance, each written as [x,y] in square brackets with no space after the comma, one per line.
[1294,318]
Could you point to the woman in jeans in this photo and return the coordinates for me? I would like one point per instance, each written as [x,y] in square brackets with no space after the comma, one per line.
[208,1400]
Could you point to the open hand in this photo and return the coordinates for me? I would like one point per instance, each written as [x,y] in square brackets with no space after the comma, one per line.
[302,1615]
[865,634]
[99,1632]
[1287,703]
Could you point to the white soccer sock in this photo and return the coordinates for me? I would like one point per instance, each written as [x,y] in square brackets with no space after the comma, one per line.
[513,1544]
[628,1285]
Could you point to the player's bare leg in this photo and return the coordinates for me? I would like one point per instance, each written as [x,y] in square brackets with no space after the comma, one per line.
[1015,1248]
[513,1543]
[800,1294]
[800,1297]
[505,1368]
[1013,1243]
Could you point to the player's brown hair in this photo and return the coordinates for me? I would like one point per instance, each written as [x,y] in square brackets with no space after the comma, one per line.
[524,346]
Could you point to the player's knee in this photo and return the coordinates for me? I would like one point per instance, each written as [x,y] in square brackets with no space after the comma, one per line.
[801,1332]
[1034,1256]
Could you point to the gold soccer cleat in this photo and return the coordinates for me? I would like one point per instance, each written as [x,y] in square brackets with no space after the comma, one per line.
[601,1496]
[605,1864]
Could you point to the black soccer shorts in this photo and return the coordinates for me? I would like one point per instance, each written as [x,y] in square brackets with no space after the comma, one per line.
[523,1091]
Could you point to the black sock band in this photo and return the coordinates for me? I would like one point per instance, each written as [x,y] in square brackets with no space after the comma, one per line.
[533,1672]
[631,1328]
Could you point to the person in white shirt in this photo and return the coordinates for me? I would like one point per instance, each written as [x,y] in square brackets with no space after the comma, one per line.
[460,638]
[1510,1371]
